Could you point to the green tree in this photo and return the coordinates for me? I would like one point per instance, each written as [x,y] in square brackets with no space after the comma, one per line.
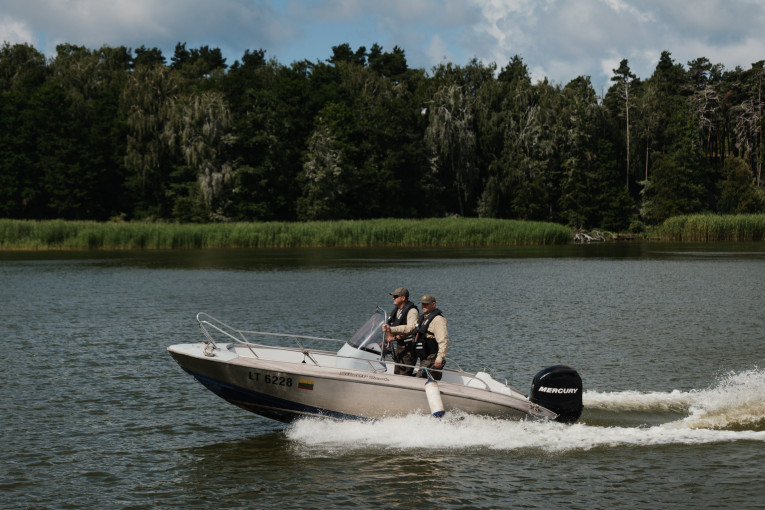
[704,80]
[23,72]
[22,68]
[148,57]
[344,53]
[323,189]
[146,105]
[451,138]
[614,207]
[737,195]
[511,175]
[678,176]
[199,127]
[272,115]
[391,65]
[197,63]
[619,97]
[578,123]
[359,142]
[82,171]
[749,120]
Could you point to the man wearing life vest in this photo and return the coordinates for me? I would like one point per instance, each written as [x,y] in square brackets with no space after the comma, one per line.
[400,327]
[431,338]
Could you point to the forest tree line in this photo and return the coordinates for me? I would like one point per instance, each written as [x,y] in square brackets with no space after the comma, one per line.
[120,133]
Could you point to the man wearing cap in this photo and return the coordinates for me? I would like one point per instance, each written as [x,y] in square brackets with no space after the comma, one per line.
[431,338]
[400,326]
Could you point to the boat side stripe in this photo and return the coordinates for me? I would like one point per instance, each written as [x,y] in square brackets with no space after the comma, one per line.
[255,400]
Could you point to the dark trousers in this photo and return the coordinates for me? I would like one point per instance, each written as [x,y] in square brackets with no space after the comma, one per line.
[404,354]
[435,373]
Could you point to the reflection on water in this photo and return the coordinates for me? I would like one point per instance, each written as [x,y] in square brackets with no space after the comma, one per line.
[668,340]
[307,258]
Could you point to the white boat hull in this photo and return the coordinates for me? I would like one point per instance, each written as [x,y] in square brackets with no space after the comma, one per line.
[285,390]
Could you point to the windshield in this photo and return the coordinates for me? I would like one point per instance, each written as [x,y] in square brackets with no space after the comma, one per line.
[369,335]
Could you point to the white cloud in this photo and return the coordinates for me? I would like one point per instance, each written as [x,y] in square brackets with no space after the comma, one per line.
[624,8]
[558,39]
[15,32]
[437,51]
[562,39]
[232,25]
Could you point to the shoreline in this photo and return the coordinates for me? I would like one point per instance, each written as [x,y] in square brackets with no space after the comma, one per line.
[75,235]
[438,232]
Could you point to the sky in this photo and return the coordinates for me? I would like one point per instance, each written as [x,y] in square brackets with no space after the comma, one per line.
[557,39]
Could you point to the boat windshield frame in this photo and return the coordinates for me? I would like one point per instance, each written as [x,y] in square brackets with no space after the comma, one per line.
[370,336]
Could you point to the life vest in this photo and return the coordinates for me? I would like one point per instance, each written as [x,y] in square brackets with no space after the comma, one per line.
[426,343]
[395,320]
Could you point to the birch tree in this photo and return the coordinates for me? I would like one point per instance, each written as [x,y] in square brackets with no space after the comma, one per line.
[451,139]
[146,102]
[749,122]
[200,128]
[322,174]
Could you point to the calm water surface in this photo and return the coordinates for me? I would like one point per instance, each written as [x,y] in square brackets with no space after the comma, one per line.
[669,340]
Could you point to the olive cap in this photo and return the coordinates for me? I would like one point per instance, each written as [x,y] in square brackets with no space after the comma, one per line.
[401,291]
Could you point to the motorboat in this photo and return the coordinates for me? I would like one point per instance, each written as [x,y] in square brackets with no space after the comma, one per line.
[286,377]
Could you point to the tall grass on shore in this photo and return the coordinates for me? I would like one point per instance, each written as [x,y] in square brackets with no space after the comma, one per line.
[60,234]
[712,227]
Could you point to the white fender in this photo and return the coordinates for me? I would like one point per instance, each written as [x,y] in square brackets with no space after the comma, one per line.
[434,398]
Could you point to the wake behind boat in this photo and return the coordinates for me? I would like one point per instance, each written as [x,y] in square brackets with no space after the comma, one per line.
[293,376]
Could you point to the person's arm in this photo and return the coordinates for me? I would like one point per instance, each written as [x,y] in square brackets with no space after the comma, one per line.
[405,330]
[440,331]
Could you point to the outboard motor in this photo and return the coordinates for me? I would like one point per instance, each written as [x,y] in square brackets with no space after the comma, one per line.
[559,389]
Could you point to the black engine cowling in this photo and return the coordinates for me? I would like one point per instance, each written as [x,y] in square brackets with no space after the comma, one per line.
[559,389]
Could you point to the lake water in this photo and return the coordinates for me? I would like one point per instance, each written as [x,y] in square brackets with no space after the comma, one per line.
[669,340]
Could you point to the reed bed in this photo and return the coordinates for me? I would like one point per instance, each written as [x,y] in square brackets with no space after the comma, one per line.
[78,235]
[712,227]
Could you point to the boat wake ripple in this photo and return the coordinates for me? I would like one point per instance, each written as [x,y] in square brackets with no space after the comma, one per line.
[731,410]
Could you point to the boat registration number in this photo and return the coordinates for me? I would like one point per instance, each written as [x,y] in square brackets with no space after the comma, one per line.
[278,380]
